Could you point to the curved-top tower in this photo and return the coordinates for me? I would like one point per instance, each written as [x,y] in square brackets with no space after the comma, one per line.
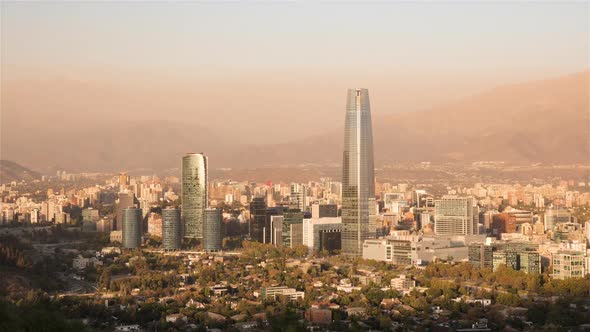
[358,173]
[194,193]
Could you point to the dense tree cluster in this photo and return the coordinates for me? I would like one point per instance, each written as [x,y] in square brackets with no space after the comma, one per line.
[508,279]
[12,252]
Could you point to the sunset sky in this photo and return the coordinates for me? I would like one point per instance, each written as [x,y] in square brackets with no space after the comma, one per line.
[246,66]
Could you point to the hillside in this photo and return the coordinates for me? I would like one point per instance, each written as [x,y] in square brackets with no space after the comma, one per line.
[11,171]
[546,121]
[542,121]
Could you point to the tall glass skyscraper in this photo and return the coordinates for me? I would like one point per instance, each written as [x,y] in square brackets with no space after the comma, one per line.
[171,229]
[194,193]
[358,174]
[131,227]
[258,218]
[212,230]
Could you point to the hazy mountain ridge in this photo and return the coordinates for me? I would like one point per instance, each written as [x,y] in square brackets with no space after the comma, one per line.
[11,171]
[542,121]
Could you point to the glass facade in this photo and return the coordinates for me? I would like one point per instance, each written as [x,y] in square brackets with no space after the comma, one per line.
[171,229]
[258,221]
[125,200]
[131,227]
[212,230]
[292,218]
[358,173]
[194,193]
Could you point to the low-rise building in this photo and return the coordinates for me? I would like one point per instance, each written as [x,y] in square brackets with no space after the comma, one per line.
[80,263]
[116,236]
[319,316]
[267,293]
[403,283]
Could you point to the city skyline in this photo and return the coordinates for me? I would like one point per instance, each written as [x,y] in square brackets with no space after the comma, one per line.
[218,72]
[362,166]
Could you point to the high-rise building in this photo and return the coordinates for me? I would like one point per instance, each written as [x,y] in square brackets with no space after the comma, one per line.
[358,173]
[324,211]
[103,225]
[123,179]
[510,259]
[171,229]
[503,223]
[90,214]
[126,199]
[212,230]
[131,227]
[568,264]
[454,216]
[298,196]
[258,220]
[527,261]
[552,217]
[530,262]
[194,193]
[292,228]
[480,255]
[276,226]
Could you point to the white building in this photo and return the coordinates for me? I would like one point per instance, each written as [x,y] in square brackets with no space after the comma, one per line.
[379,250]
[313,227]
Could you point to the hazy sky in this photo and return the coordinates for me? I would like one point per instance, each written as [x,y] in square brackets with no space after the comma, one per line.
[277,71]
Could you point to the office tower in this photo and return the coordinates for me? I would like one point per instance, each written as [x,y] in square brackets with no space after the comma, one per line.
[194,193]
[530,262]
[298,197]
[519,259]
[454,216]
[123,179]
[126,199]
[171,229]
[292,228]
[358,177]
[520,216]
[90,214]
[486,218]
[131,227]
[417,197]
[324,211]
[212,230]
[503,223]
[510,259]
[276,226]
[258,220]
[330,240]
[480,255]
[552,217]
[103,225]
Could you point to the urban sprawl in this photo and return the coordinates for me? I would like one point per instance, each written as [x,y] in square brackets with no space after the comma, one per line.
[129,252]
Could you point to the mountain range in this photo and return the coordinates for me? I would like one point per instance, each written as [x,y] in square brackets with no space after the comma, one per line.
[541,121]
[11,171]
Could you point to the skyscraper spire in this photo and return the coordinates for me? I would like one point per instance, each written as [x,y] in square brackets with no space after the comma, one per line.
[358,174]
